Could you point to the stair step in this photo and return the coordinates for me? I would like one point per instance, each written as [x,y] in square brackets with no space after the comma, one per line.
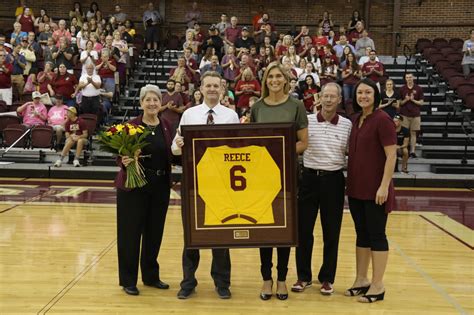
[452,169]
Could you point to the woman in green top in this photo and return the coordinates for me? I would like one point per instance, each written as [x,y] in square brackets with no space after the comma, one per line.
[276,105]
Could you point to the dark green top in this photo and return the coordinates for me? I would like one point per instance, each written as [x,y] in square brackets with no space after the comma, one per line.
[292,110]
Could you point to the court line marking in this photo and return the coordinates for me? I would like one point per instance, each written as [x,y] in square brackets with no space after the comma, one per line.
[428,278]
[27,201]
[447,232]
[77,278]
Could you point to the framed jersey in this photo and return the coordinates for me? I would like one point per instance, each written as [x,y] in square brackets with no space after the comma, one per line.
[239,185]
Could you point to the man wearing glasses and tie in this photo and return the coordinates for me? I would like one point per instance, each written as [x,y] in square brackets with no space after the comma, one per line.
[209,112]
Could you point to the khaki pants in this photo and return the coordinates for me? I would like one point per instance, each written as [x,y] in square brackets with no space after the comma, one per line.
[19,82]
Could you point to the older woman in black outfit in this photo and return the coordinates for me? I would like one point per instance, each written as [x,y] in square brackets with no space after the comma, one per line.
[141,212]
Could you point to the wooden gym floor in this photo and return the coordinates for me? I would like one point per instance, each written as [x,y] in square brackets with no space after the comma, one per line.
[58,255]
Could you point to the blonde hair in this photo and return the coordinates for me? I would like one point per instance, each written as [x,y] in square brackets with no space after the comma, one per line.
[270,67]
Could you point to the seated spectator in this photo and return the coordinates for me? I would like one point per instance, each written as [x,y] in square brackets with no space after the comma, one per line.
[300,68]
[213,66]
[6,70]
[403,139]
[76,135]
[119,15]
[222,25]
[351,74]
[62,54]
[206,59]
[45,35]
[243,43]
[46,20]
[304,48]
[17,35]
[34,113]
[345,55]
[356,33]
[61,32]
[46,77]
[77,13]
[196,98]
[173,106]
[198,34]
[310,93]
[244,64]
[19,64]
[106,67]
[291,56]
[233,32]
[366,58]
[151,20]
[363,42]
[181,73]
[245,88]
[29,54]
[26,20]
[328,51]
[355,18]
[96,44]
[124,60]
[89,86]
[341,45]
[285,45]
[94,7]
[230,64]
[227,92]
[88,56]
[181,90]
[64,84]
[326,23]
[129,28]
[48,51]
[214,41]
[328,71]
[468,58]
[193,15]
[373,69]
[191,43]
[294,89]
[191,65]
[320,41]
[313,57]
[390,99]
[309,70]
[39,20]
[57,116]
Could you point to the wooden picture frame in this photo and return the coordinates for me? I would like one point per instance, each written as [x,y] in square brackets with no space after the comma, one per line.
[239,185]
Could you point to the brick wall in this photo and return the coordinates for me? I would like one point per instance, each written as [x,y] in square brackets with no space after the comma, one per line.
[433,18]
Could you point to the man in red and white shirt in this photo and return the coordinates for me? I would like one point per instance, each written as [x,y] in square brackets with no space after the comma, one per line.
[322,189]
[373,69]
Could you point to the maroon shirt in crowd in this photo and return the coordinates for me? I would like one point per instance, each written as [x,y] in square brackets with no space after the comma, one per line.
[76,127]
[5,76]
[368,66]
[170,115]
[410,109]
[64,85]
[367,156]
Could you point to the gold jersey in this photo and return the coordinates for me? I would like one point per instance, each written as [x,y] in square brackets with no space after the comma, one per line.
[238,185]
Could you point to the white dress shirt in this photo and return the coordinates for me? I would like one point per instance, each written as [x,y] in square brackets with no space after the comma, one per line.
[197,115]
[89,90]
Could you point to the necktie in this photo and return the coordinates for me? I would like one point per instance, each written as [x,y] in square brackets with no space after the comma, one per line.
[210,118]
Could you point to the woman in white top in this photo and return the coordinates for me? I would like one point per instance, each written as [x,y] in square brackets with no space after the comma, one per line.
[88,55]
[83,36]
[292,56]
[309,70]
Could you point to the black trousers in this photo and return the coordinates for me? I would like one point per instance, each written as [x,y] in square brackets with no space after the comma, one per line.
[370,221]
[266,255]
[220,268]
[141,215]
[90,105]
[326,194]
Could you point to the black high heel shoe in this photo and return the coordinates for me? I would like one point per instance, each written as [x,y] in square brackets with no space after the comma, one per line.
[357,291]
[282,296]
[266,296]
[371,298]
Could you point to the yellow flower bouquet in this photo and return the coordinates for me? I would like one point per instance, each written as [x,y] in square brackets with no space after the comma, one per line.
[127,140]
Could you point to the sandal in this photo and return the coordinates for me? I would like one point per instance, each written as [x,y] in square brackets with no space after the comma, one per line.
[371,298]
[357,291]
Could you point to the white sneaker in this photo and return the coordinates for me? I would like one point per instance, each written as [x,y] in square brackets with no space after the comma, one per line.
[76,163]
[58,163]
